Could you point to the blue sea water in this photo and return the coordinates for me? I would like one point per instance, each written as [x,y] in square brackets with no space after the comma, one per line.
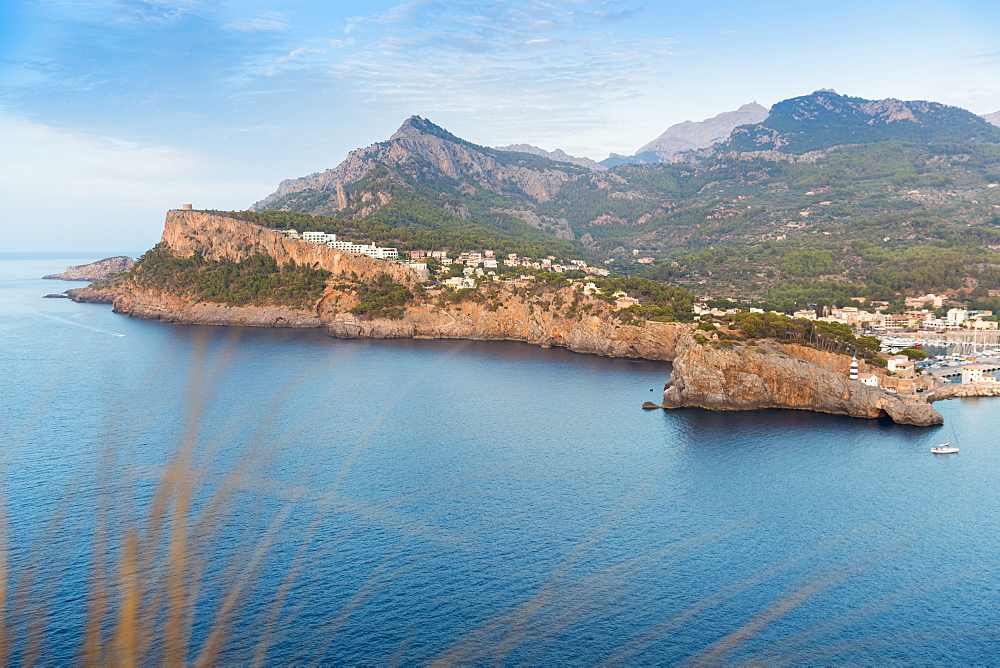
[406,502]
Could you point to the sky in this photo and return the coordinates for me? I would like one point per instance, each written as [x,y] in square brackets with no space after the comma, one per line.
[114,111]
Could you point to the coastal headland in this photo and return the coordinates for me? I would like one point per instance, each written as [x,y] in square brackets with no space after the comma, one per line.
[705,375]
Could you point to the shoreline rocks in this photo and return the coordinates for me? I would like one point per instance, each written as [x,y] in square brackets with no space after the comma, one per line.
[960,391]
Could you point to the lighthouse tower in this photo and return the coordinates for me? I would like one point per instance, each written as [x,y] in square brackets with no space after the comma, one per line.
[854,368]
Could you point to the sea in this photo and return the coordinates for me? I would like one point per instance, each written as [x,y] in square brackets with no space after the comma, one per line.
[287,497]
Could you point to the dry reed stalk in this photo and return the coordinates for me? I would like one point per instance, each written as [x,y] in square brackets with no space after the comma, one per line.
[716,653]
[126,644]
[4,575]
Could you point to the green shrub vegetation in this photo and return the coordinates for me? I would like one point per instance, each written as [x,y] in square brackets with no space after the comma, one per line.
[382,299]
[658,301]
[829,336]
[256,281]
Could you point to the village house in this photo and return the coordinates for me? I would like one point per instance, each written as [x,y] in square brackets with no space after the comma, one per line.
[934,301]
[459,282]
[622,300]
[868,379]
[956,316]
[901,365]
[978,373]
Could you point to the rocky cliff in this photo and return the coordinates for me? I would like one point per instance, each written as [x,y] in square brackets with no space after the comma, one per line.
[521,318]
[158,305]
[218,237]
[750,378]
[705,375]
[95,271]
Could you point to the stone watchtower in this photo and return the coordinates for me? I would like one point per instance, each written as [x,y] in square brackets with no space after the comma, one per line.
[187,207]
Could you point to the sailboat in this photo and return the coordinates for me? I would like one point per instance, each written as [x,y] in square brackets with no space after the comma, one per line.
[946,448]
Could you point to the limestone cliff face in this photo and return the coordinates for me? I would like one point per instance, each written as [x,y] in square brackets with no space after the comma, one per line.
[95,271]
[518,320]
[156,305]
[742,378]
[217,237]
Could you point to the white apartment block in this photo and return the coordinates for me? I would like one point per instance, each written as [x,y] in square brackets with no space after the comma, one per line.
[371,250]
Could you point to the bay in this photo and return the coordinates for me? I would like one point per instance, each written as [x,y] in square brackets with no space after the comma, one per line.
[479,502]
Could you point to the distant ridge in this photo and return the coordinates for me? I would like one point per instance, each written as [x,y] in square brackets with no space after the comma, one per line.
[993,118]
[558,155]
[691,135]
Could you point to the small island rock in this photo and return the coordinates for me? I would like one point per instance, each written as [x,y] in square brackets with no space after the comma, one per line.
[95,271]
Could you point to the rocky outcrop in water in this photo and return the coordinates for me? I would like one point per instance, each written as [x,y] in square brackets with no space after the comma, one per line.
[95,271]
[750,378]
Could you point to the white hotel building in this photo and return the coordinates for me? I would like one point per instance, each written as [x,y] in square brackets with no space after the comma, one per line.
[330,240]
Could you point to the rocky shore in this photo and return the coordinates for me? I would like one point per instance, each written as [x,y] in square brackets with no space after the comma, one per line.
[705,375]
[959,391]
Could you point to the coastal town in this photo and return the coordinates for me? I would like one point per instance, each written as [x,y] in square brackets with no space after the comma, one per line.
[477,264]
[925,322]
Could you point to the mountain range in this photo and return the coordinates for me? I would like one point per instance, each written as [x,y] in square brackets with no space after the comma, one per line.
[822,174]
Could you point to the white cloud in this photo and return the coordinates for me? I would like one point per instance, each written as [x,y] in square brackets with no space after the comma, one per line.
[119,188]
[260,24]
[500,63]
[123,11]
[297,53]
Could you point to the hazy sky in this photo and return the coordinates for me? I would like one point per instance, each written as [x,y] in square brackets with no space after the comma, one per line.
[113,111]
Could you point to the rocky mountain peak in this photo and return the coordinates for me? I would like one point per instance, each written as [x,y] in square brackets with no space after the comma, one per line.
[418,150]
[752,107]
[993,118]
[415,126]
